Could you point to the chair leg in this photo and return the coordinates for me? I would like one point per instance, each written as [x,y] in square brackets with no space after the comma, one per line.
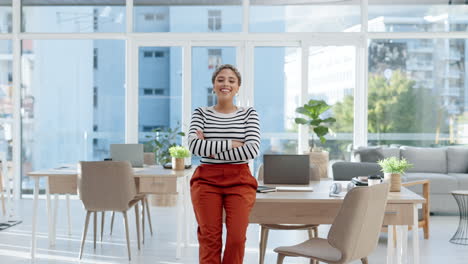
[311,233]
[316,231]
[112,222]
[143,221]
[263,243]
[83,238]
[426,229]
[137,220]
[364,260]
[126,234]
[103,215]
[95,228]
[148,215]
[280,258]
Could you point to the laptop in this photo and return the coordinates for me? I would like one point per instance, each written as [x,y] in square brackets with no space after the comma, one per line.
[128,152]
[286,169]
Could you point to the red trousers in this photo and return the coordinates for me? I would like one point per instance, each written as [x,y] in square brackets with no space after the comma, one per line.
[214,187]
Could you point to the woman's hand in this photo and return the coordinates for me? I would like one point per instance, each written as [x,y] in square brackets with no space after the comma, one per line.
[200,135]
[236,144]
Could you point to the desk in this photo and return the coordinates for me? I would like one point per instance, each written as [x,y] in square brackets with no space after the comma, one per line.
[318,207]
[150,180]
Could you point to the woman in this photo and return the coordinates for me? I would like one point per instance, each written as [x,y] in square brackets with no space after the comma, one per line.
[226,137]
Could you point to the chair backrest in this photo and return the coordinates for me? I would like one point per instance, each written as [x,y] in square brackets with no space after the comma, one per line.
[106,185]
[149,158]
[355,231]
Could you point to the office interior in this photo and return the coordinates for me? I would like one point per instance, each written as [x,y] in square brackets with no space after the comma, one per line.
[79,75]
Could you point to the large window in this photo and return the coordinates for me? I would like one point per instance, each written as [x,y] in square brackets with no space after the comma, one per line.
[417,16]
[64,17]
[70,110]
[187,16]
[6,101]
[276,96]
[305,16]
[417,92]
[332,72]
[5,16]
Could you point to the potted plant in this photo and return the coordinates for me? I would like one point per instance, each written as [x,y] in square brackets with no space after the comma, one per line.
[160,142]
[312,111]
[393,168]
[319,127]
[178,154]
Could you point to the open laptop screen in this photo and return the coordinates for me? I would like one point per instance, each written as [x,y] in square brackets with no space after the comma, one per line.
[286,169]
[128,152]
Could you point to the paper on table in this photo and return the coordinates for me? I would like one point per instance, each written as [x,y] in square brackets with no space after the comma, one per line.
[294,189]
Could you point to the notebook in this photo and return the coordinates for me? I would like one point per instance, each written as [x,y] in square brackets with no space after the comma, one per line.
[128,152]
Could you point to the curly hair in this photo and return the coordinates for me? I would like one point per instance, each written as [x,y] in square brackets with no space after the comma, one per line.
[226,66]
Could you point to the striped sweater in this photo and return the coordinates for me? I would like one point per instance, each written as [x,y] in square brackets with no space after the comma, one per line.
[220,130]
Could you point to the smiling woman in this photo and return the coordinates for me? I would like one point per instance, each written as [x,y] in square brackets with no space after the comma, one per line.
[226,137]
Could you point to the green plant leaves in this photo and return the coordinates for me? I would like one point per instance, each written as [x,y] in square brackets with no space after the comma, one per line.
[312,110]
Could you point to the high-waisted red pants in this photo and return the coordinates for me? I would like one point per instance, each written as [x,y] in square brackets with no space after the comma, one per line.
[214,187]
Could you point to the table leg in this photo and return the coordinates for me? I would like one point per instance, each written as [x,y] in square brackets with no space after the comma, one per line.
[399,245]
[415,235]
[49,214]
[68,214]
[180,202]
[54,231]
[390,246]
[34,217]
[404,238]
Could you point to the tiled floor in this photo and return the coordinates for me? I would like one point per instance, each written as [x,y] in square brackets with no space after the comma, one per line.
[15,241]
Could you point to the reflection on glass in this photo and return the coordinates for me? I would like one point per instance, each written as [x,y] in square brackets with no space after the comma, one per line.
[72,103]
[303,18]
[277,78]
[5,17]
[417,92]
[332,74]
[197,17]
[205,60]
[99,17]
[6,103]
[160,92]
[415,16]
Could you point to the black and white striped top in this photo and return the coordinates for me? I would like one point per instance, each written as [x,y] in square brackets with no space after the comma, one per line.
[219,130]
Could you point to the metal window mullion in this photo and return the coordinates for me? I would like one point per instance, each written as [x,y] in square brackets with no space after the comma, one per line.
[249,74]
[129,14]
[131,92]
[66,36]
[303,135]
[186,89]
[16,97]
[245,15]
[360,96]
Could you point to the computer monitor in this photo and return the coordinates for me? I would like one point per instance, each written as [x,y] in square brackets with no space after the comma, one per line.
[128,152]
[286,169]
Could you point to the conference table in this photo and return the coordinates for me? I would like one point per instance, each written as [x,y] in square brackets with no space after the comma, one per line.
[149,180]
[295,207]
[318,207]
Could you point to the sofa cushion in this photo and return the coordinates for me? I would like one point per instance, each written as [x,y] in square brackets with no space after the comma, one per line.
[432,160]
[368,154]
[457,159]
[440,183]
[462,179]
[391,152]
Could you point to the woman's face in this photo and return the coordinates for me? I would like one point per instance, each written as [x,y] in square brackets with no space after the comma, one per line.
[226,85]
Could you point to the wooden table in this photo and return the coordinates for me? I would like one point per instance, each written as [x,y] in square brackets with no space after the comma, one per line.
[318,207]
[150,180]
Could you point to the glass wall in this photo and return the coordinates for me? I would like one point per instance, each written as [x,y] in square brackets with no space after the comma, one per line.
[332,72]
[187,16]
[417,16]
[417,92]
[68,17]
[71,108]
[6,101]
[159,92]
[5,16]
[303,16]
[276,95]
